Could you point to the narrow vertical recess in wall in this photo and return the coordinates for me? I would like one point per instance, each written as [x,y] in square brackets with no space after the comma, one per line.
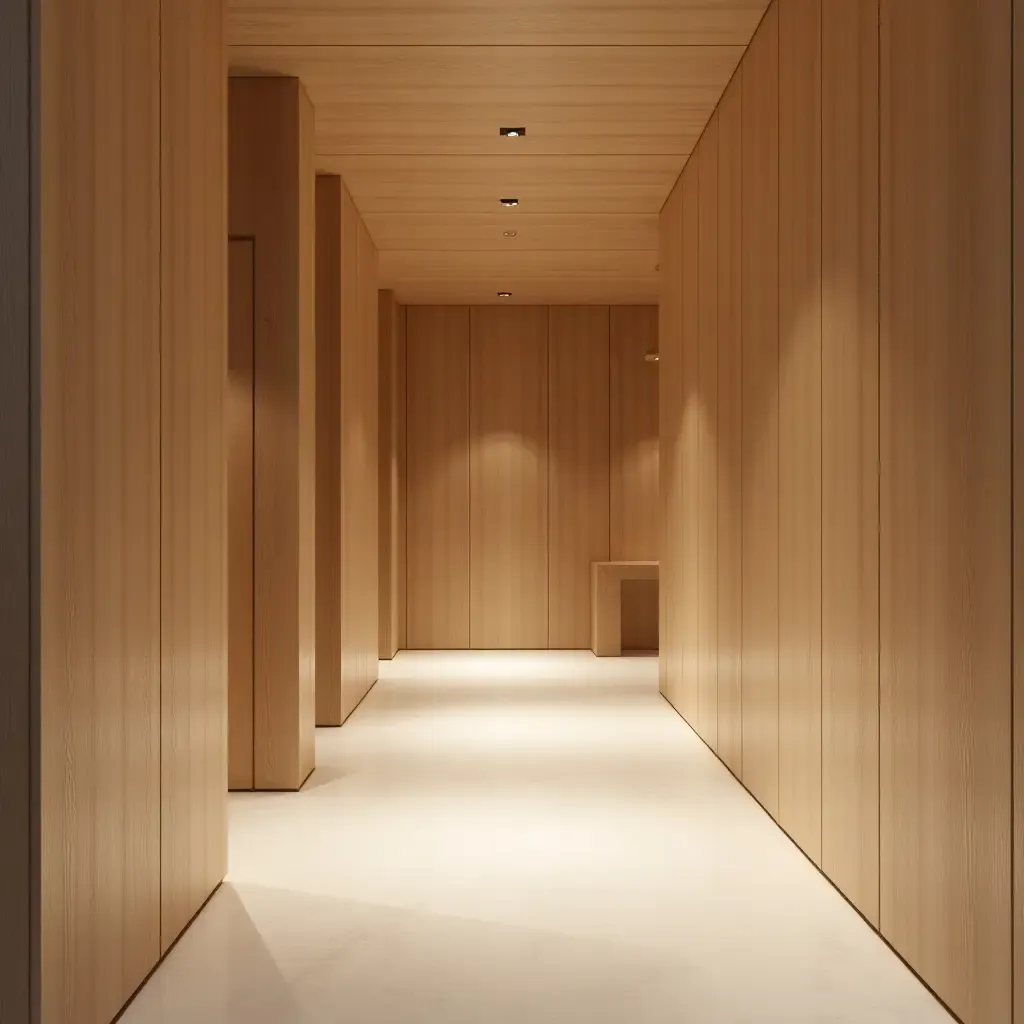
[1017,698]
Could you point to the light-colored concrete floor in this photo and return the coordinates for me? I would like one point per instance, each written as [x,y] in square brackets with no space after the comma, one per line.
[536,839]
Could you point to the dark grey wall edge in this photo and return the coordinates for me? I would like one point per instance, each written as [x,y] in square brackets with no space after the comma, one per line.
[19,676]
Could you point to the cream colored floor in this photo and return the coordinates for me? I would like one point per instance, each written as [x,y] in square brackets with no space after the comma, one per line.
[535,839]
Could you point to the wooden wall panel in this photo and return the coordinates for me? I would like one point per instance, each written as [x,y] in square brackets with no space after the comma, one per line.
[761,413]
[240,415]
[688,570]
[849,848]
[578,465]
[730,425]
[634,434]
[437,477]
[360,476]
[100,505]
[331,256]
[391,443]
[508,477]
[946,498]
[348,456]
[705,495]
[670,405]
[194,655]
[271,199]
[19,874]
[799,404]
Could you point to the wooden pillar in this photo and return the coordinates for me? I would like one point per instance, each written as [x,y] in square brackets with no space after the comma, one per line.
[18,351]
[347,454]
[271,202]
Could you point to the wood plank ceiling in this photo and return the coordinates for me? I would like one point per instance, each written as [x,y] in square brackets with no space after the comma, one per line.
[410,95]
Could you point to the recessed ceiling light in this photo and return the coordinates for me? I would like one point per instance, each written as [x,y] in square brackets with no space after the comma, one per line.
[504,295]
[511,133]
[651,357]
[510,234]
[509,202]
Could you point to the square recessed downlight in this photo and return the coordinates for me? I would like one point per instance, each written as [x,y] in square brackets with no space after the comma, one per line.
[511,133]
[510,234]
[504,295]
[509,202]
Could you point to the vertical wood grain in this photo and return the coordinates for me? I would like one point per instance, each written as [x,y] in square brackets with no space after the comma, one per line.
[360,478]
[706,493]
[329,277]
[799,600]
[437,477]
[634,434]
[690,427]
[670,406]
[18,353]
[272,200]
[508,477]
[578,465]
[348,467]
[946,498]
[760,312]
[194,660]
[100,505]
[849,852]
[241,278]
[730,425]
[400,507]
[388,493]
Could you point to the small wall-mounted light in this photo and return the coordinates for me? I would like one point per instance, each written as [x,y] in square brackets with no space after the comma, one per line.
[509,202]
[651,357]
[504,295]
[509,234]
[511,133]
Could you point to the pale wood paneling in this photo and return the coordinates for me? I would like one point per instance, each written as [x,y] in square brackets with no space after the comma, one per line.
[194,654]
[508,477]
[392,475]
[760,312]
[19,873]
[690,431]
[99,507]
[730,425]
[437,477]
[634,434]
[670,406]
[272,199]
[799,404]
[360,476]
[413,130]
[705,494]
[240,416]
[471,23]
[946,498]
[849,850]
[348,456]
[329,277]
[578,465]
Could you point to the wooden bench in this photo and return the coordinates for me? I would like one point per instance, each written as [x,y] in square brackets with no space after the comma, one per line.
[606,580]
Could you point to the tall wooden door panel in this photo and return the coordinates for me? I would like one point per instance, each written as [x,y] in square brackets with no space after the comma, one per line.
[760,314]
[508,477]
[240,513]
[849,623]
[437,477]
[799,596]
[946,497]
[578,467]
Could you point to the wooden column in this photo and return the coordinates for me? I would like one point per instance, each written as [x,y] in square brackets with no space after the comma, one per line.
[18,347]
[271,201]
